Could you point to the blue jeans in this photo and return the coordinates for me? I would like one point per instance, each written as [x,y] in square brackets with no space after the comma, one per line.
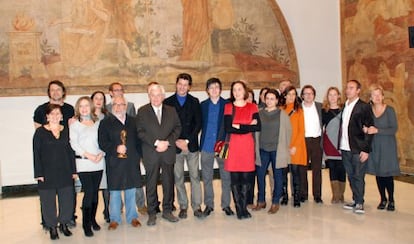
[193,170]
[207,172]
[266,158]
[356,175]
[115,205]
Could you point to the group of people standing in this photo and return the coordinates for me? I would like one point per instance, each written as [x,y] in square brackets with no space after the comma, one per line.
[103,144]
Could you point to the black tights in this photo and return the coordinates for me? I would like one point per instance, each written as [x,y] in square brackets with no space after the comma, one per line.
[242,178]
[386,183]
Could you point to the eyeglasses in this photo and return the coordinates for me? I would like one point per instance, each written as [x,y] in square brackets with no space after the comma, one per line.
[308,93]
[119,104]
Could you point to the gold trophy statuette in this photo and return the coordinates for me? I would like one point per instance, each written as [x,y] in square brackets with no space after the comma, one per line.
[123,136]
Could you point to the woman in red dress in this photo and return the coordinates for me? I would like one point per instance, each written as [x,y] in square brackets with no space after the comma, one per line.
[241,120]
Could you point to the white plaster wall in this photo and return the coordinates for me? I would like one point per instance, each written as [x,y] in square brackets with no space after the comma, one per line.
[315,29]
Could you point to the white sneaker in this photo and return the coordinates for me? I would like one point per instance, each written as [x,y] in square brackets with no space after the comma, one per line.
[349,206]
[359,209]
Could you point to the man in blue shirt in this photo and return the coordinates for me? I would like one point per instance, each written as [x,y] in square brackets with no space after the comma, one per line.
[212,130]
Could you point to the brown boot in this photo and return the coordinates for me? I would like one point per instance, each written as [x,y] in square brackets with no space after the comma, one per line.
[341,191]
[335,188]
[273,209]
[259,206]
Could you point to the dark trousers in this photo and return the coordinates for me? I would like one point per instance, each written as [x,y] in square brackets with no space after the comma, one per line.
[356,175]
[296,179]
[90,185]
[48,205]
[242,178]
[314,155]
[167,181]
[336,170]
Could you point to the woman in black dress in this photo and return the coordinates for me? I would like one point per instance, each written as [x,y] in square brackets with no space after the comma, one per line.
[54,169]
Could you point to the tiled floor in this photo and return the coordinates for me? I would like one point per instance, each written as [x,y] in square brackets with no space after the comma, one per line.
[312,223]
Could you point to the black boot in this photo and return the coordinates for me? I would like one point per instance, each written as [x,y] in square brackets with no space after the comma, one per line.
[64,229]
[235,189]
[296,186]
[95,225]
[53,233]
[245,191]
[105,195]
[86,222]
[285,195]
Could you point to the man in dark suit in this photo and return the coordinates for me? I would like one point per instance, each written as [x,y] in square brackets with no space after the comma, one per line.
[355,144]
[189,112]
[313,130]
[158,127]
[117,137]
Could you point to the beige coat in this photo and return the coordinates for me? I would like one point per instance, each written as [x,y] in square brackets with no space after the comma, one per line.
[282,153]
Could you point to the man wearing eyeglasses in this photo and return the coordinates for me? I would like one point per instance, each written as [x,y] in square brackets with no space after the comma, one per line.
[117,137]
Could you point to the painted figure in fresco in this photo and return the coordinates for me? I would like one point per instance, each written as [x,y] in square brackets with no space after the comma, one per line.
[358,71]
[82,42]
[199,20]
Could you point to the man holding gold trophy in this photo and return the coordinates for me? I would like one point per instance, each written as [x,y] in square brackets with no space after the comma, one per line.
[117,137]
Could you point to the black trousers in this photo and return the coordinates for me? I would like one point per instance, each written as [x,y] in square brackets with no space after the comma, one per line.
[314,155]
[49,209]
[242,178]
[90,185]
[167,180]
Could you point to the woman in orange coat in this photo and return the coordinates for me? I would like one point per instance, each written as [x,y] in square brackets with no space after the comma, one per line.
[297,146]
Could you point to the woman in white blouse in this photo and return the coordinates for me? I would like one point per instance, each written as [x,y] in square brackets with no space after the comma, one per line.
[83,135]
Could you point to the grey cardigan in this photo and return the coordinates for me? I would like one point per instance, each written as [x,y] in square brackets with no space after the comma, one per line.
[285,133]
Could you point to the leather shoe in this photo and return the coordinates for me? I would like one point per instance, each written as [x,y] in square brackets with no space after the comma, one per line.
[228,211]
[113,226]
[207,211]
[53,233]
[183,214]
[318,200]
[273,209]
[135,223]
[391,206]
[259,206]
[303,199]
[382,205]
[64,229]
[198,213]
[170,217]
[151,220]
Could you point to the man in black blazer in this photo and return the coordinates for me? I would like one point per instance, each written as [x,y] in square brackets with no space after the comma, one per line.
[189,112]
[313,132]
[158,127]
[355,144]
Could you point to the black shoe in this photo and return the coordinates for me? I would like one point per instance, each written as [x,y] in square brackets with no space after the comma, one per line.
[318,200]
[199,214]
[64,229]
[170,217]
[157,209]
[303,199]
[382,205]
[72,223]
[88,231]
[151,220]
[53,233]
[228,211]
[207,211]
[391,206]
[95,226]
[284,200]
[183,214]
[107,220]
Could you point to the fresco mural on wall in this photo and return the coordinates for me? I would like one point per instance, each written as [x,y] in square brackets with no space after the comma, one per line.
[88,44]
[375,49]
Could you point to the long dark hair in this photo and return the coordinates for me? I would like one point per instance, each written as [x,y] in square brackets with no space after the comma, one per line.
[103,109]
[297,103]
